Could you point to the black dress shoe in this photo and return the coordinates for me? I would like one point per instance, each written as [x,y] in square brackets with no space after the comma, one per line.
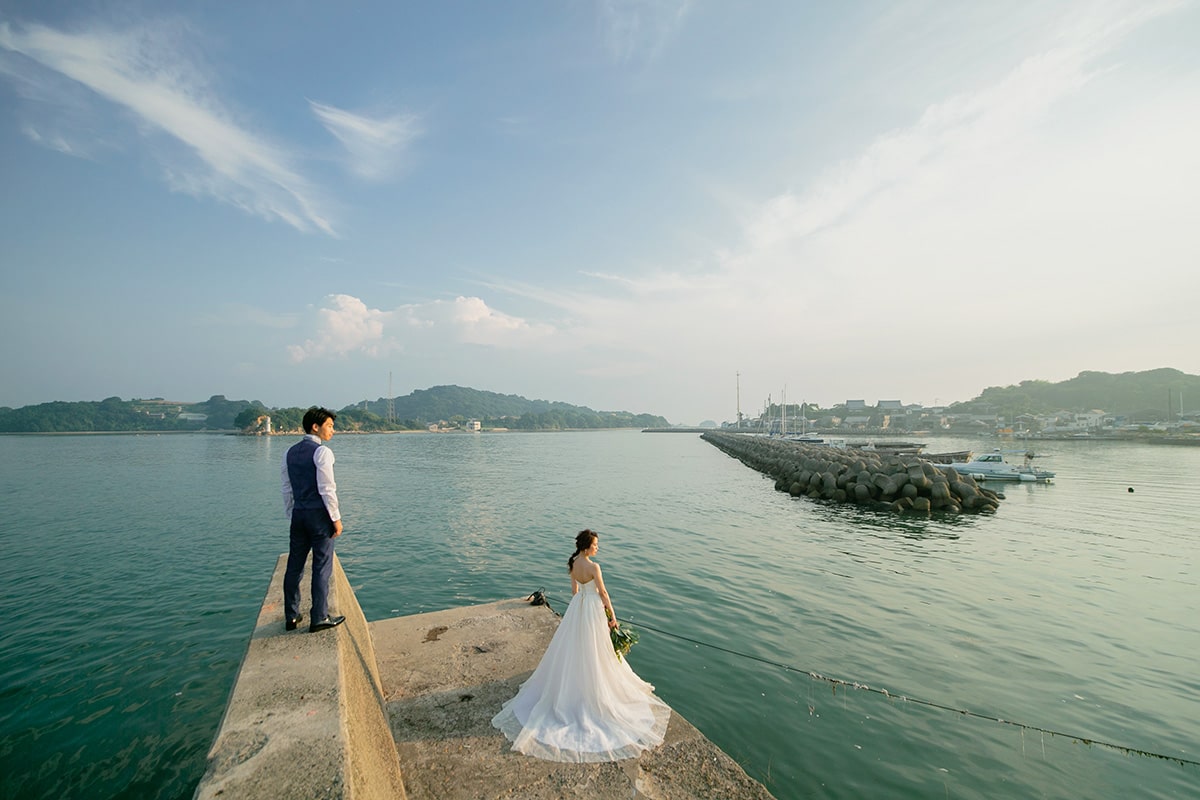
[292,623]
[323,624]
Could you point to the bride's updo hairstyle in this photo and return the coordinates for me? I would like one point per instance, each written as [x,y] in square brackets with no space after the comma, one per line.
[582,542]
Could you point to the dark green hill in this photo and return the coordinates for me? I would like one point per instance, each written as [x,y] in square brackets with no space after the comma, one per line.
[456,404]
[115,414]
[1153,394]
[444,402]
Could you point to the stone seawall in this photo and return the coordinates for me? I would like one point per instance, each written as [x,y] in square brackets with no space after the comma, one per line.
[883,482]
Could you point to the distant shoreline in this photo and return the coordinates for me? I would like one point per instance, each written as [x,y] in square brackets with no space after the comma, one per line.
[298,433]
[118,433]
[1147,438]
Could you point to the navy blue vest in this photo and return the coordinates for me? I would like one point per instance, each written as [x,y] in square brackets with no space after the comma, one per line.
[302,472]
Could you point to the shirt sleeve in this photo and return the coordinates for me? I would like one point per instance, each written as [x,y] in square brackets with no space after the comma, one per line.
[288,500]
[326,487]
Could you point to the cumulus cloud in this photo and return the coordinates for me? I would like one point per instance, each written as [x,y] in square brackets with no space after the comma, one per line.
[347,325]
[478,324]
[144,72]
[376,145]
[344,325]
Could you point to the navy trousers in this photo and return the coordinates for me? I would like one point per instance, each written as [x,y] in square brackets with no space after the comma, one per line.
[312,530]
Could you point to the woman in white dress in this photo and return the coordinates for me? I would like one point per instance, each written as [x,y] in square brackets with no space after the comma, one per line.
[583,703]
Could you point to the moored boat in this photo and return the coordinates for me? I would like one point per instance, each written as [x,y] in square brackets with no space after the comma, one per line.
[992,467]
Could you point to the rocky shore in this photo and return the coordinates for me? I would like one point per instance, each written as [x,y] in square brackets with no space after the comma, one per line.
[901,484]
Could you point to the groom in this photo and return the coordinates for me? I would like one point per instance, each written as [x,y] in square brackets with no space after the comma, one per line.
[310,502]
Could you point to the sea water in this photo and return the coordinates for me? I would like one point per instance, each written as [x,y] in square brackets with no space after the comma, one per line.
[1048,650]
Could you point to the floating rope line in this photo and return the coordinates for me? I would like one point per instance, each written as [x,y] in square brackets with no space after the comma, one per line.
[836,682]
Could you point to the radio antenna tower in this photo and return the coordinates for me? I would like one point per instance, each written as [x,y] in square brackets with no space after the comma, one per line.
[391,406]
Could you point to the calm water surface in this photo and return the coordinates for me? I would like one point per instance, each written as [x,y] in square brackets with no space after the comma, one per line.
[136,566]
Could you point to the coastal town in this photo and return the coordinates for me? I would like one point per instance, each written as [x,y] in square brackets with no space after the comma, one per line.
[892,417]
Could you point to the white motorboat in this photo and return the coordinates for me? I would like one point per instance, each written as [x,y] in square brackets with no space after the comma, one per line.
[992,467]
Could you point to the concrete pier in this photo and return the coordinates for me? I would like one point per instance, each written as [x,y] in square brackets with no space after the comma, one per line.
[402,708]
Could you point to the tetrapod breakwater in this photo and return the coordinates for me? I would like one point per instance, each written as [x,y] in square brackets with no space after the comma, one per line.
[902,484]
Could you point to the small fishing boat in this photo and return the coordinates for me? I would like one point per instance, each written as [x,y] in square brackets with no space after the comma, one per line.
[992,467]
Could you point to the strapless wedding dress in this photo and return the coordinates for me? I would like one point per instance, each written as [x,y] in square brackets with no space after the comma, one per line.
[582,703]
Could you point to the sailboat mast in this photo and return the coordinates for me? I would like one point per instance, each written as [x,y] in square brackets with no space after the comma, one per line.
[739,398]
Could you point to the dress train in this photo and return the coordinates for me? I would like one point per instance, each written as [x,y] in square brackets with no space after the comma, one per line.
[583,703]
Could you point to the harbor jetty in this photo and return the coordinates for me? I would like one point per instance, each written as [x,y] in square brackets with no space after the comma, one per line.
[902,484]
[401,708]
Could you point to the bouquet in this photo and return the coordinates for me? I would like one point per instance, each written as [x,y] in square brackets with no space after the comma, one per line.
[623,639]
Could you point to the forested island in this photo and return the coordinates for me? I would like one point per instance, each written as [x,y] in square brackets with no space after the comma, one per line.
[442,407]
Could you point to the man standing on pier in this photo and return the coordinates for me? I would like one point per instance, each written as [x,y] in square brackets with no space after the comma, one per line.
[310,502]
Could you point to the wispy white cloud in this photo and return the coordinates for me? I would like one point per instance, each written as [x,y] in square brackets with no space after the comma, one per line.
[640,29]
[951,140]
[140,71]
[66,126]
[962,187]
[999,205]
[376,145]
[54,141]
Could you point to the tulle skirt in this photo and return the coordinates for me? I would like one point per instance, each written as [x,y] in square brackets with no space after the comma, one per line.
[582,703]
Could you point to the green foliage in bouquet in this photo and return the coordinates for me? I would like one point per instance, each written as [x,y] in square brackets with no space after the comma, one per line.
[623,639]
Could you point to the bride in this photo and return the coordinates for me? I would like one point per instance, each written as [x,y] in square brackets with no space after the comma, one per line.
[583,703]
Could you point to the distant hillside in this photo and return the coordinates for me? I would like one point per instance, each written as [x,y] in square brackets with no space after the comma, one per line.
[1153,394]
[444,402]
[452,404]
[459,403]
[115,414]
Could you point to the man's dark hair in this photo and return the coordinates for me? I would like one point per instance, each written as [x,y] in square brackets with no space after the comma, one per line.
[316,416]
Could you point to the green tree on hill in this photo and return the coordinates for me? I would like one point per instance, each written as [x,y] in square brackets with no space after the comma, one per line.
[1128,393]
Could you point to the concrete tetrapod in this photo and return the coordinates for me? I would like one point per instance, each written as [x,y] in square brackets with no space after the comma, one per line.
[904,484]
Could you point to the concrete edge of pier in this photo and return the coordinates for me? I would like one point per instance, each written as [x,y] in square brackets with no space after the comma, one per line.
[402,708]
[306,716]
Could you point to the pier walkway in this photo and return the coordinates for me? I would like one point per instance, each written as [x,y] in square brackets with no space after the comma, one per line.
[402,708]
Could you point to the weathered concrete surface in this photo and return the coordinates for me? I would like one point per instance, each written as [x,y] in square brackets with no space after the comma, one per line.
[305,718]
[446,674]
[340,714]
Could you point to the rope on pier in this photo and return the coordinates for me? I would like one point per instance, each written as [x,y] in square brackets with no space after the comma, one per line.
[836,682]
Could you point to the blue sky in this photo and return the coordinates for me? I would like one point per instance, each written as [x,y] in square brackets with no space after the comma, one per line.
[624,205]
